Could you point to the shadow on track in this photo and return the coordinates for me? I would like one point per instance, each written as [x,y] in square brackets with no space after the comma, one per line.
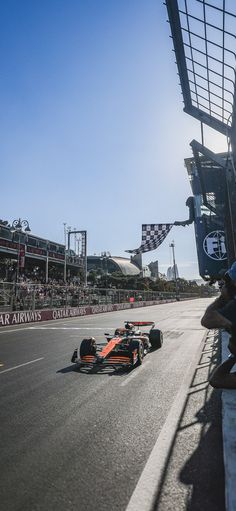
[99,371]
[67,369]
[193,477]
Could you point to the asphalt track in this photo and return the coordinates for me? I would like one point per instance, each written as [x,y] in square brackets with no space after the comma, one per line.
[75,440]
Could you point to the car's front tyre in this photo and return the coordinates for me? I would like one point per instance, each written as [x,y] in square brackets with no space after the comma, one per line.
[136,348]
[88,347]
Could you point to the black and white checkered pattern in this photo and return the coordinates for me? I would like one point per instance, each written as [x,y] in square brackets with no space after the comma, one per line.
[152,236]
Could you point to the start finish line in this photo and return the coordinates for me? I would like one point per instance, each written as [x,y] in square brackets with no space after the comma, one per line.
[22,317]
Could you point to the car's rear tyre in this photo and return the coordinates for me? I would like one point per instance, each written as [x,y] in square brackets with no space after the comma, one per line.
[136,345]
[88,347]
[156,338]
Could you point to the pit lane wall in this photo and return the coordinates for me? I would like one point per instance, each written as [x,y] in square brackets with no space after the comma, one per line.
[21,317]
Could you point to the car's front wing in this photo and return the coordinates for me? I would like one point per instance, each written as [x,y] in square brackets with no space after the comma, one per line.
[113,361]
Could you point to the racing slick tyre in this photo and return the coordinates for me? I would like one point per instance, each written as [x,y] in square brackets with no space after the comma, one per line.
[156,338]
[88,347]
[136,345]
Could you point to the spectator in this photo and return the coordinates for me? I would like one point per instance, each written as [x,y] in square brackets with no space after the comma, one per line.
[222,314]
[221,377]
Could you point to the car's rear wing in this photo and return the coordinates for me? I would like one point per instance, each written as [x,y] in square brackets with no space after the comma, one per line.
[141,323]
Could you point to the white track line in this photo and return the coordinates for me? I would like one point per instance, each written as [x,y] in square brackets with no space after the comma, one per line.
[14,330]
[65,328]
[21,365]
[145,493]
[51,328]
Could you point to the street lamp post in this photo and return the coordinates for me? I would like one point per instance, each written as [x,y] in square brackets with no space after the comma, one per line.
[65,233]
[19,226]
[105,256]
[47,265]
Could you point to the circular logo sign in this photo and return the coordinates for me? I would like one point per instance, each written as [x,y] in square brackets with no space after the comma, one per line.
[214,245]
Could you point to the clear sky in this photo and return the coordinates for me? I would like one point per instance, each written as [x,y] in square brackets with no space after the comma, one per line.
[92,126]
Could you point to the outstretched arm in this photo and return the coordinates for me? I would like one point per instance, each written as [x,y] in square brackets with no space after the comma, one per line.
[221,377]
[212,318]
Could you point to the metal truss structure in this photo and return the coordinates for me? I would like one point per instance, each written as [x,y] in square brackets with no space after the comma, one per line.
[205,47]
[204,39]
[81,255]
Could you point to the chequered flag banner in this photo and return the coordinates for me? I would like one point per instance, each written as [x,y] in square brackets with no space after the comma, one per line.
[152,236]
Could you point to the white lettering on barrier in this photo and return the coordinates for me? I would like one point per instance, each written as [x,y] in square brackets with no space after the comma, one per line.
[66,313]
[78,311]
[15,318]
[26,317]
[95,309]
[82,311]
[4,319]
[60,313]
[122,306]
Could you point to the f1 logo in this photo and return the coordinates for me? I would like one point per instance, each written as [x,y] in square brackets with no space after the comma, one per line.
[214,245]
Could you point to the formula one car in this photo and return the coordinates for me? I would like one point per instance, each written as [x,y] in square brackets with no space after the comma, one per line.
[125,348]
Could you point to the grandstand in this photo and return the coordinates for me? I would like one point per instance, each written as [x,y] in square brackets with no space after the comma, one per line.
[43,259]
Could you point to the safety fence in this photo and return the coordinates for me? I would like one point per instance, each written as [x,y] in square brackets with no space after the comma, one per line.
[30,297]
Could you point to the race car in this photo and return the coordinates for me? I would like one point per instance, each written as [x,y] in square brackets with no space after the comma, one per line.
[125,348]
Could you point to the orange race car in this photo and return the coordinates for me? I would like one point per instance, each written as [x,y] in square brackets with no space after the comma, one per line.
[125,348]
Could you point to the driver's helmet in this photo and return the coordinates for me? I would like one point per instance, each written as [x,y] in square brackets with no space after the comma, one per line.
[129,326]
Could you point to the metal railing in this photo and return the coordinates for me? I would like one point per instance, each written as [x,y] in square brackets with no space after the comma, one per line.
[27,296]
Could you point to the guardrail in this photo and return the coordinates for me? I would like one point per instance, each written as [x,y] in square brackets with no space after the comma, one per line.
[26,296]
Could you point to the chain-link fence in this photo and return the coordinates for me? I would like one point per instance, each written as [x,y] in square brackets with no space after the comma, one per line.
[26,296]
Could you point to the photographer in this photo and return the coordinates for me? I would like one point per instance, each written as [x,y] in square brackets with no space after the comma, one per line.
[222,314]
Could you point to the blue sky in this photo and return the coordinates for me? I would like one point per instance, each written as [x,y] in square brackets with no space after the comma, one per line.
[92,126]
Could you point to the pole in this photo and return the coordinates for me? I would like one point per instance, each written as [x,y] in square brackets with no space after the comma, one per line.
[69,233]
[18,259]
[19,226]
[85,258]
[46,279]
[105,266]
[65,252]
[172,245]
